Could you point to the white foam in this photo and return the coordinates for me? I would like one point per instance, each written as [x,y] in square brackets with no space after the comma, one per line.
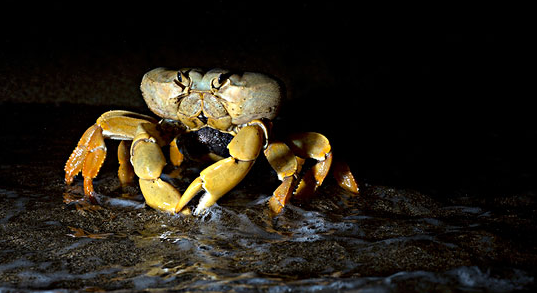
[314,226]
[204,199]
[473,277]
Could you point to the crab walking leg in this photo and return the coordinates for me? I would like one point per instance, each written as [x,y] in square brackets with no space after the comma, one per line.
[344,177]
[315,146]
[125,172]
[219,178]
[286,165]
[90,152]
[122,125]
[313,178]
[76,160]
[93,162]
[87,157]
[176,157]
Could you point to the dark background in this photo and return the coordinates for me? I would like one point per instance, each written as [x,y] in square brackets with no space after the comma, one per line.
[421,97]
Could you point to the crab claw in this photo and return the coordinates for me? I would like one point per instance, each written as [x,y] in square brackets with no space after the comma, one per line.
[220,177]
[148,161]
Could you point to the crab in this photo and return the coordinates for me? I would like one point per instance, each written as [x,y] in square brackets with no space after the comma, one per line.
[233,110]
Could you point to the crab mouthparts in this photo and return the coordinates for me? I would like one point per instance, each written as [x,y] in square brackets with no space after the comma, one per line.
[202,117]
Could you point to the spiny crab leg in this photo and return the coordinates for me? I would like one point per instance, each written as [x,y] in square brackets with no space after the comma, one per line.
[222,176]
[286,165]
[74,164]
[313,178]
[87,157]
[90,152]
[316,146]
[308,145]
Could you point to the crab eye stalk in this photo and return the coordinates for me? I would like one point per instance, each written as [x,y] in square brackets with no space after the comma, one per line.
[222,79]
[182,80]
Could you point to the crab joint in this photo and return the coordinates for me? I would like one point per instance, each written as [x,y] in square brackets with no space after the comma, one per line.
[282,159]
[310,145]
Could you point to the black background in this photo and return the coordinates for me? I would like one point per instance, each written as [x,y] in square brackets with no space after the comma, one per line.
[422,97]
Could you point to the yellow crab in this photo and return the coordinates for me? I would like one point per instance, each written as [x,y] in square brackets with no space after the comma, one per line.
[220,104]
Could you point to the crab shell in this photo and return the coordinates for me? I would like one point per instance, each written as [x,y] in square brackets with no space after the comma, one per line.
[217,98]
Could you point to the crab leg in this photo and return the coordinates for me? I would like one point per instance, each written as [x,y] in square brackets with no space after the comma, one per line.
[122,125]
[286,165]
[90,152]
[148,161]
[309,145]
[315,146]
[87,157]
[222,176]
[176,157]
[76,160]
[125,172]
[344,177]
[283,160]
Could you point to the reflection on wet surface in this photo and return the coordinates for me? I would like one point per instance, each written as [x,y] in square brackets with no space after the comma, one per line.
[387,239]
[336,243]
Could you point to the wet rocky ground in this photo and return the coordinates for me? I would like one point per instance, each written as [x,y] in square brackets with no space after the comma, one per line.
[387,239]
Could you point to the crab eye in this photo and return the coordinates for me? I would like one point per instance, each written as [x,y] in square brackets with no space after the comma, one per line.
[182,80]
[220,81]
[222,78]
